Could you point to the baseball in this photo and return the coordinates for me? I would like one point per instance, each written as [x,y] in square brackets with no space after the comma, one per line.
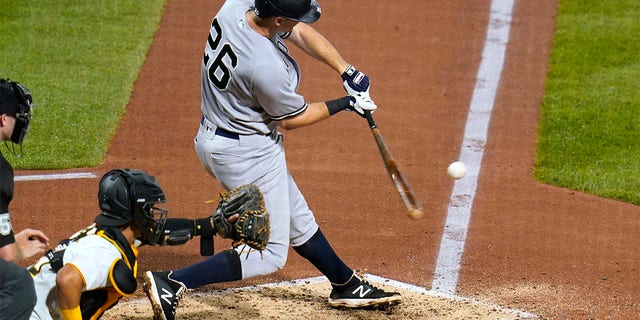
[416,214]
[457,170]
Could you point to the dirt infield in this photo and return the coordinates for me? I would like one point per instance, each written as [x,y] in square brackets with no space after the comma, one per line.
[306,299]
[540,249]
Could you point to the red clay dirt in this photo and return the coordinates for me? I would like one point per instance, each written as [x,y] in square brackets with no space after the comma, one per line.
[547,250]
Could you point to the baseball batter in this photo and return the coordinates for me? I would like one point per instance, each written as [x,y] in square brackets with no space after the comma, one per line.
[249,91]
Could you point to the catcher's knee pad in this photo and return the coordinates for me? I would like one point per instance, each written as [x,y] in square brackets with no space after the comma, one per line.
[94,303]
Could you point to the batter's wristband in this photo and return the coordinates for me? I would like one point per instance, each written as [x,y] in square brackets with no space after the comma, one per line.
[337,105]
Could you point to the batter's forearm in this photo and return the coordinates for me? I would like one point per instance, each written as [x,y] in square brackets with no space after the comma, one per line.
[316,45]
[315,112]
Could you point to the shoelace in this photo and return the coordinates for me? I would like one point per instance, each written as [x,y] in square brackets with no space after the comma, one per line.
[360,273]
[179,294]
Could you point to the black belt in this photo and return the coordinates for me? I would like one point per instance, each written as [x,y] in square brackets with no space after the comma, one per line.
[227,134]
[224,133]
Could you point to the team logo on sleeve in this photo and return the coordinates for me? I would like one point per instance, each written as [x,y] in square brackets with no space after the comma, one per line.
[5,224]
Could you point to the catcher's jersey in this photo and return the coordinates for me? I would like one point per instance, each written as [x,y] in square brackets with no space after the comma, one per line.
[91,254]
[243,90]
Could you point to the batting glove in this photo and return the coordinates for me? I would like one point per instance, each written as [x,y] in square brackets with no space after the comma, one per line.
[361,102]
[355,81]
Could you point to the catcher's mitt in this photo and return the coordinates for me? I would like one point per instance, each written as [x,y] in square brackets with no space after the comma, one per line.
[252,225]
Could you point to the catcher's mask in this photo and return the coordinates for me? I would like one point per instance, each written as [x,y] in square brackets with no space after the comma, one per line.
[307,11]
[129,195]
[15,100]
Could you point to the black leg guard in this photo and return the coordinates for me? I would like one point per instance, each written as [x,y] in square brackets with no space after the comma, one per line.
[234,264]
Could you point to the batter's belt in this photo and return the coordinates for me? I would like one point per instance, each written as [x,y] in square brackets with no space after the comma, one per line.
[257,138]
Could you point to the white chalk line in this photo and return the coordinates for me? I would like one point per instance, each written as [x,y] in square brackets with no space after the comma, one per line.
[55,176]
[472,150]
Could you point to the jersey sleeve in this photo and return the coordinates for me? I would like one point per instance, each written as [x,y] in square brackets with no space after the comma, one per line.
[6,194]
[6,231]
[93,257]
[276,92]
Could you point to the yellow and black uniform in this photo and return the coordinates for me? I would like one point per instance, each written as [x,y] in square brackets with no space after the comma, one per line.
[106,261]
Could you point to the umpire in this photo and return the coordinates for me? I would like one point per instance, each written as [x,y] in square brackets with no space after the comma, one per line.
[17,293]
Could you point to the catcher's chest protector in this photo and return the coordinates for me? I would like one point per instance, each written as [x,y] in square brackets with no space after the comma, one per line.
[122,273]
[122,276]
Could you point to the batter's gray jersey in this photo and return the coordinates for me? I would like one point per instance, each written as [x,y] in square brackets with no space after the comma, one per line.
[249,82]
[243,90]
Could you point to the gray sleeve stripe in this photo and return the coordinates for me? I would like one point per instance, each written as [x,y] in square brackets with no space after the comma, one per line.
[292,114]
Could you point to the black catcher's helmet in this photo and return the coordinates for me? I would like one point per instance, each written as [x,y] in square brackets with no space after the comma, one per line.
[126,195]
[307,11]
[15,100]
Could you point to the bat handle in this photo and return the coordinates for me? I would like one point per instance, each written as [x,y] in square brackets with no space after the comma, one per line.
[369,117]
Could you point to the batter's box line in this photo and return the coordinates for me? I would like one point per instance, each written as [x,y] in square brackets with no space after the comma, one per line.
[56,176]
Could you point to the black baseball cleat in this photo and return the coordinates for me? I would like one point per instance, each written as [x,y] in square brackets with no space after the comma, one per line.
[358,293]
[164,294]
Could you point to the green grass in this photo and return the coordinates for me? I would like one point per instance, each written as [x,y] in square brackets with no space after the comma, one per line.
[80,60]
[589,136]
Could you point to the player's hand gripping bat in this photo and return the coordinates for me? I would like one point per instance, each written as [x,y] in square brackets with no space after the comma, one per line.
[414,208]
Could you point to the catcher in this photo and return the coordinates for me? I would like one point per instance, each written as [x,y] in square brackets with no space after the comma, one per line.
[88,273]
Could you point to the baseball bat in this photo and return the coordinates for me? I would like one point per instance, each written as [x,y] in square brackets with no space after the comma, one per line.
[414,208]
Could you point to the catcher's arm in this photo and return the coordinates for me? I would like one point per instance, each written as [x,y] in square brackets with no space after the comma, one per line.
[177,231]
[241,216]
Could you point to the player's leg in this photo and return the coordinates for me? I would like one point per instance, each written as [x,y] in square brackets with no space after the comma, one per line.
[232,165]
[262,163]
[348,288]
[244,262]
[165,289]
[310,243]
[234,162]
[17,292]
